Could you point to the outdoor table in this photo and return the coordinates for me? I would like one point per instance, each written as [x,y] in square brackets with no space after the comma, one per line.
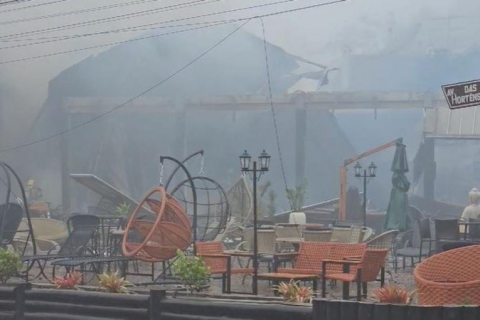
[107,223]
[464,226]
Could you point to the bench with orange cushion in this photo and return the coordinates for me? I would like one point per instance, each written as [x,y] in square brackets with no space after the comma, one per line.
[309,258]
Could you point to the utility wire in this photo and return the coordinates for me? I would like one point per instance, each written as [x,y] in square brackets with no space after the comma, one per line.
[131,99]
[106,45]
[187,18]
[270,98]
[80,11]
[5,3]
[114,18]
[33,6]
[163,81]
[135,29]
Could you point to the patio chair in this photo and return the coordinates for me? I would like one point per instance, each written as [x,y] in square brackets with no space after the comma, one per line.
[449,278]
[75,245]
[446,230]
[356,234]
[367,234]
[293,231]
[474,230]
[82,220]
[10,218]
[366,270]
[420,247]
[317,236]
[219,262]
[341,234]
[384,240]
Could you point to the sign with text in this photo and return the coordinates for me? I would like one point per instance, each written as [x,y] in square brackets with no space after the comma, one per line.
[463,94]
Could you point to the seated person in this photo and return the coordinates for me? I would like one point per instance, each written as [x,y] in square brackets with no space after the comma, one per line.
[473,210]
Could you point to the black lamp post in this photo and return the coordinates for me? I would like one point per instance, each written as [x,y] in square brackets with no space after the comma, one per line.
[371,173]
[264,160]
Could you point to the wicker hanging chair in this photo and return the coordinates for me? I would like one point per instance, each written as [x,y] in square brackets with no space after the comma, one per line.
[240,198]
[157,228]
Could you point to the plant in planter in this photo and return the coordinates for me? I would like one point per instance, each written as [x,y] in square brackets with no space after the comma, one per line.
[123,209]
[112,283]
[70,281]
[394,294]
[296,198]
[191,270]
[10,264]
[293,292]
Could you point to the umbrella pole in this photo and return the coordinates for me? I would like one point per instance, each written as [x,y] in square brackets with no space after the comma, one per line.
[365,198]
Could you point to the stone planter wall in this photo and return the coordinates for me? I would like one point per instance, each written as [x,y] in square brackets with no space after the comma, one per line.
[20,303]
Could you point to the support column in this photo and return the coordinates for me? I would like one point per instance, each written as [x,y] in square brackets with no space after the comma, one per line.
[65,161]
[300,139]
[181,130]
[429,173]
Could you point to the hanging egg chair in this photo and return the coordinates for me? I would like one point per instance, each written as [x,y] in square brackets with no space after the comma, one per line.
[157,228]
[213,211]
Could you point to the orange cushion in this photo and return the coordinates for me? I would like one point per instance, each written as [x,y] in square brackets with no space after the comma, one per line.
[347,277]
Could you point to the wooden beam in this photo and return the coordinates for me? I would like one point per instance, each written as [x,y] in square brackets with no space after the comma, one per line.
[312,100]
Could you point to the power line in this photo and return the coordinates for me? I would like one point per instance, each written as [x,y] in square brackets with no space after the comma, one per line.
[75,12]
[154,36]
[113,18]
[33,6]
[164,80]
[134,29]
[270,99]
[5,3]
[131,99]
[103,45]
[175,20]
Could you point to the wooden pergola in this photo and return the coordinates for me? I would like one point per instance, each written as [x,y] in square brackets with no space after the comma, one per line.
[300,101]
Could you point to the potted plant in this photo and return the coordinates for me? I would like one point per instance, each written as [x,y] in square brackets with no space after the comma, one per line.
[123,209]
[296,198]
[69,282]
[192,271]
[112,283]
[394,294]
[292,292]
[10,265]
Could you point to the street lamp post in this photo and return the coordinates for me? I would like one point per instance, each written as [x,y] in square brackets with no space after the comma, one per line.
[367,175]
[264,160]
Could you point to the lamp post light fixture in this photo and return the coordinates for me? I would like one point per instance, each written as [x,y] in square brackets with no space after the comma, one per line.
[366,175]
[264,161]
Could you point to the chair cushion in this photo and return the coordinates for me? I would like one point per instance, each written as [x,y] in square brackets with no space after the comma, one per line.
[411,252]
[347,277]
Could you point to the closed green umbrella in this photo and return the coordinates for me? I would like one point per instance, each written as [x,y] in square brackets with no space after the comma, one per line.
[398,207]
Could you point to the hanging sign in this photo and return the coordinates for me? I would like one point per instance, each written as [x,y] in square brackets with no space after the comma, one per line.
[462,94]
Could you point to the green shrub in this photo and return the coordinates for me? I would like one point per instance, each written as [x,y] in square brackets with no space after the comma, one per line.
[10,264]
[191,270]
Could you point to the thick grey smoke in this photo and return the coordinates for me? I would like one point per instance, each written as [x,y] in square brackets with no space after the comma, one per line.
[333,35]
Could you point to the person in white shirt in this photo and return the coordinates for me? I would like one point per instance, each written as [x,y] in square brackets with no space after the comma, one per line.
[473,210]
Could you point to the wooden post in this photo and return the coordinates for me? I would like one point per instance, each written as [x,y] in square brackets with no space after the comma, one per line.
[319,309]
[65,161]
[429,173]
[300,139]
[181,130]
[20,296]
[155,304]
